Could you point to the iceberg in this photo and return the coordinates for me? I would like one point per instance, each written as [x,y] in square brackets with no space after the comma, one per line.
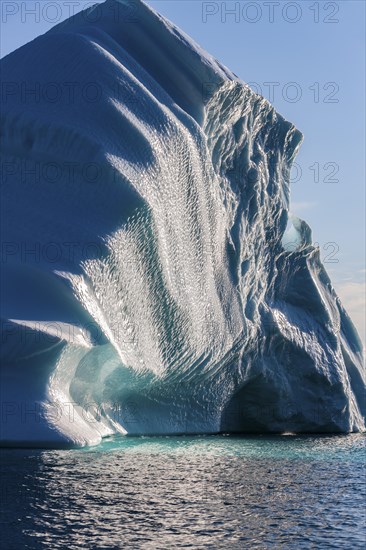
[153,278]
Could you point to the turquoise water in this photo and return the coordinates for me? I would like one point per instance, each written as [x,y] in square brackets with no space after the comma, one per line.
[187,492]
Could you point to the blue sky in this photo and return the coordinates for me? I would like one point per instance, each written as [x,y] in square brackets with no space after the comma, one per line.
[306,57]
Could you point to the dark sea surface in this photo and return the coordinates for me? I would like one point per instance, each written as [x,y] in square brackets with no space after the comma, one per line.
[187,492]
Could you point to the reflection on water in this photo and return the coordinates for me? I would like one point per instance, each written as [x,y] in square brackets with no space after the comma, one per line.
[187,492]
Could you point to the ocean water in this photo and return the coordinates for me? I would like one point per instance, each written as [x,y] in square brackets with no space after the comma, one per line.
[187,492]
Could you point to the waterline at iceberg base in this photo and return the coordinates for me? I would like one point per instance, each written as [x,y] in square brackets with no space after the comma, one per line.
[153,278]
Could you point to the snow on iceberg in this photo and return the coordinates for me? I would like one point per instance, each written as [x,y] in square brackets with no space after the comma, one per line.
[153,281]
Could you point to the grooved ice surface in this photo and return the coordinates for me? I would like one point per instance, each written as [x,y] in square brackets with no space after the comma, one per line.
[153,281]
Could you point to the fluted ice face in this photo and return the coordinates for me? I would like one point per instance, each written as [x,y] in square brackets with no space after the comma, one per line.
[154,280]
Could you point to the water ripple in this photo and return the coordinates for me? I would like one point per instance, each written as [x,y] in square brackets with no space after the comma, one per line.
[197,492]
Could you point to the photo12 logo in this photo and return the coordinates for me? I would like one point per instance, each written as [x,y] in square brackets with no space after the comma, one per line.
[270,12]
[57,11]
[289,92]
